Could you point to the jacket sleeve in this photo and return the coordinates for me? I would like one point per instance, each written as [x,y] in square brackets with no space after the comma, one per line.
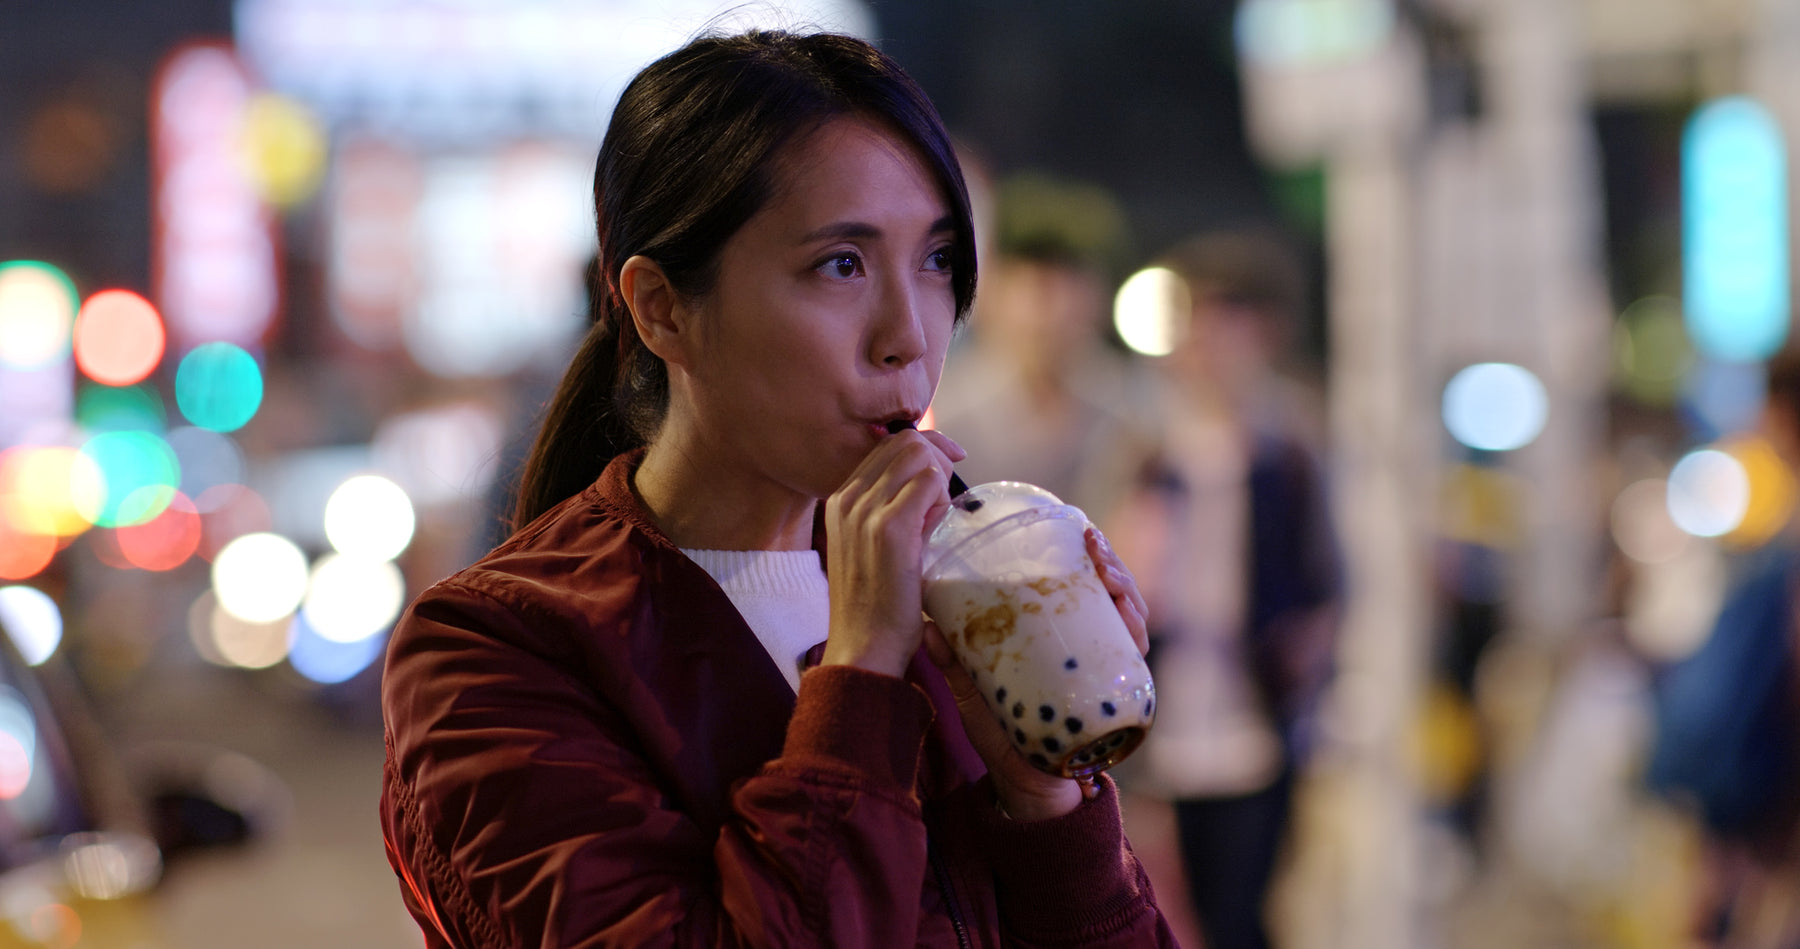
[1067,882]
[519,809]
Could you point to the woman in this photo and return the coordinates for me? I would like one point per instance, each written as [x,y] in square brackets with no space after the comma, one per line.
[594,734]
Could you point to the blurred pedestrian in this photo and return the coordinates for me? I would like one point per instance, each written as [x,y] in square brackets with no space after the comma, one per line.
[1034,393]
[1728,726]
[1234,544]
[601,733]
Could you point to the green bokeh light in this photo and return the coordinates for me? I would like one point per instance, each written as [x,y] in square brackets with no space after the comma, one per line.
[120,409]
[218,386]
[140,472]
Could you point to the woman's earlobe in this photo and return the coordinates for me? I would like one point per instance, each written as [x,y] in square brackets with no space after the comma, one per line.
[654,306]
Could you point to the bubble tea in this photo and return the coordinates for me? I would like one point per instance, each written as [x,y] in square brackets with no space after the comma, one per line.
[1009,581]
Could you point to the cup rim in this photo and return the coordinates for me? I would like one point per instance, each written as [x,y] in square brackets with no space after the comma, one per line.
[1013,521]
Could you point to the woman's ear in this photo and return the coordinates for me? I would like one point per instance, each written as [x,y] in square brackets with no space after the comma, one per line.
[656,309]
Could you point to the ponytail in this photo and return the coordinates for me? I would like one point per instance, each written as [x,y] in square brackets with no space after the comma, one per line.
[610,401]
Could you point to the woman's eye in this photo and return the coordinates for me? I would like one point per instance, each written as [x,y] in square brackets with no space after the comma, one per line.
[939,260]
[842,267]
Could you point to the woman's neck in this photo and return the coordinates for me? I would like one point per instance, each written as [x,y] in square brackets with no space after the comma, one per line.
[702,502]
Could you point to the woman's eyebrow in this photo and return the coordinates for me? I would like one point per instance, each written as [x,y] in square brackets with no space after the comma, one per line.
[860,230]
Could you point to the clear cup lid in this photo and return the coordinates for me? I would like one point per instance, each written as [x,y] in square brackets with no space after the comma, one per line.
[986,505]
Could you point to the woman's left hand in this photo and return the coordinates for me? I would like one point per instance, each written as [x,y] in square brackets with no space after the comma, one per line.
[1025,792]
[1122,587]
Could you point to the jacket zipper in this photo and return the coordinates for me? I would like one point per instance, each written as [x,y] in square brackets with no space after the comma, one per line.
[950,907]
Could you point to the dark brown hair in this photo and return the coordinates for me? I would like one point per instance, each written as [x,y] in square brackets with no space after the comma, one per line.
[688,158]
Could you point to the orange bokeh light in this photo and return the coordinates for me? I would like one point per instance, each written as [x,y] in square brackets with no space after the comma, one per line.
[22,554]
[167,540]
[119,337]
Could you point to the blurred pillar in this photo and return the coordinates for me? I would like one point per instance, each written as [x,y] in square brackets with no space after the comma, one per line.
[1376,424]
[1773,78]
[1553,316]
[1360,113]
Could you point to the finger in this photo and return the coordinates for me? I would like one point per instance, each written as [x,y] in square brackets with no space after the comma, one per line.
[1137,624]
[945,444]
[1114,575]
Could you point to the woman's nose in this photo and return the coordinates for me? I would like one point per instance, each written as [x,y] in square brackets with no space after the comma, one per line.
[899,338]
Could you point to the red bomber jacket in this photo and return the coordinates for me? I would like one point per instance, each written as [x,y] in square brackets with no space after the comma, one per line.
[586,746]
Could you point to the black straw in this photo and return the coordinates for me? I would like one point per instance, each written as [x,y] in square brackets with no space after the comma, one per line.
[957,487]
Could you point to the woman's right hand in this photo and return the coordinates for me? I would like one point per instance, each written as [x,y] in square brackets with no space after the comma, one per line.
[875,525]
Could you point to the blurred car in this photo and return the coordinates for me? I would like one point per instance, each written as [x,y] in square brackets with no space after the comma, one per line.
[86,832]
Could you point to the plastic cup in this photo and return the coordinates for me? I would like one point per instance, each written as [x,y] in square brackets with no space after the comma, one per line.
[1009,581]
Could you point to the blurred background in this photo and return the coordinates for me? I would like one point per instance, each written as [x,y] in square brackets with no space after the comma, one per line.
[1426,358]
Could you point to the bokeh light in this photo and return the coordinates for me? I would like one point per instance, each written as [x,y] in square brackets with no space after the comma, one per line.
[1771,500]
[23,555]
[140,473]
[120,409]
[18,743]
[260,578]
[1151,310]
[352,598]
[1495,406]
[1734,230]
[227,640]
[1725,397]
[50,490]
[207,458]
[1641,525]
[1709,492]
[33,621]
[37,314]
[165,541]
[119,337]
[1651,352]
[369,516]
[328,662]
[284,149]
[218,386]
[1311,32]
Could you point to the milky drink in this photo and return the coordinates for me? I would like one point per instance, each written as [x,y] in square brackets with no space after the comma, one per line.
[1009,581]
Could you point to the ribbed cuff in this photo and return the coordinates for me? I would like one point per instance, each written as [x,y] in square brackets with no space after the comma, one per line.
[863,721]
[1064,875]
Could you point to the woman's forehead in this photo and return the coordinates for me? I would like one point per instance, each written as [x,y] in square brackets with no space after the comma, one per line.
[850,164]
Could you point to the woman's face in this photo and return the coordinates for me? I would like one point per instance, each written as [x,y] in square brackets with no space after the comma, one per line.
[831,312]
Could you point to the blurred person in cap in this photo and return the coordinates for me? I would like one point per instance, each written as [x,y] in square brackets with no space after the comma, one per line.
[1236,551]
[1727,719]
[693,699]
[1034,392]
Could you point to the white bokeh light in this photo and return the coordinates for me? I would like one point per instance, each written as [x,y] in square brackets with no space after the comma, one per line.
[1151,309]
[1495,406]
[352,598]
[370,517]
[1641,524]
[260,578]
[1709,492]
[32,621]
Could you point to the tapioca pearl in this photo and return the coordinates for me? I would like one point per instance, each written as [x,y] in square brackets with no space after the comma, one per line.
[1073,724]
[1038,760]
[1018,710]
[1108,709]
[1000,695]
[1019,737]
[1070,663]
[1052,745]
[1046,713]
